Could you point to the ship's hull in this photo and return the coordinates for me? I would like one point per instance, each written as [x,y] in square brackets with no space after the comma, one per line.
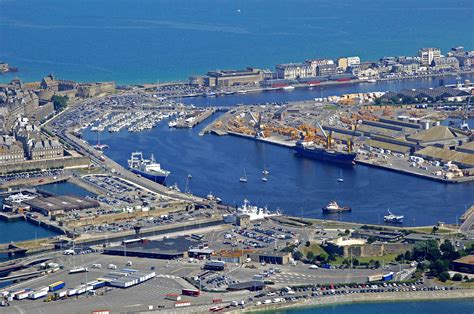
[158,178]
[325,155]
[342,209]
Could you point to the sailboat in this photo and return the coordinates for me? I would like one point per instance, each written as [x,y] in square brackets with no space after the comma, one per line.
[244,178]
[265,171]
[340,179]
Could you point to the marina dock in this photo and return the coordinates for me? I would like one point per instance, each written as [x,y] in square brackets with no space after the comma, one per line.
[193,121]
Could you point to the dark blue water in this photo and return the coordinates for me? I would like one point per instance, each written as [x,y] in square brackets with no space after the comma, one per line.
[296,185]
[463,306]
[298,94]
[22,230]
[130,41]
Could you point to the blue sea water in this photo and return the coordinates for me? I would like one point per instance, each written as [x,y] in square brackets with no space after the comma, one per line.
[463,306]
[148,40]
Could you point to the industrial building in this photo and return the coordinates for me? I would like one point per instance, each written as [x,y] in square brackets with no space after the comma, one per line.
[464,264]
[56,205]
[281,258]
[249,285]
[169,248]
[224,78]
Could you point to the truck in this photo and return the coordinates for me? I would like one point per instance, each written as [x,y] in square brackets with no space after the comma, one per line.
[56,286]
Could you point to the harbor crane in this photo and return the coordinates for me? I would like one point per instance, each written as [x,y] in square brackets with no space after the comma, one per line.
[258,124]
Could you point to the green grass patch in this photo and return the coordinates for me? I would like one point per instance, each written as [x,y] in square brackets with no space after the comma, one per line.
[330,107]
[315,248]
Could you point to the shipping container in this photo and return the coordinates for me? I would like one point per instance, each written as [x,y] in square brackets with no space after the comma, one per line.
[56,286]
[388,277]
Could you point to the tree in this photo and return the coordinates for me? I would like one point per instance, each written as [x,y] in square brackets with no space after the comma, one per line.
[438,266]
[347,231]
[323,257]
[355,262]
[457,277]
[434,230]
[377,264]
[59,102]
[297,255]
[444,276]
[308,244]
[310,255]
[371,239]
[448,251]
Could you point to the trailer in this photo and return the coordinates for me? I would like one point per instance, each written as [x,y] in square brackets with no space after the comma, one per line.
[61,294]
[56,286]
[23,294]
[78,270]
[191,292]
[38,294]
[373,278]
[71,292]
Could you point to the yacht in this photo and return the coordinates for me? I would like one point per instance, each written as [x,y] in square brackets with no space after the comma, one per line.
[19,197]
[255,212]
[172,123]
[393,218]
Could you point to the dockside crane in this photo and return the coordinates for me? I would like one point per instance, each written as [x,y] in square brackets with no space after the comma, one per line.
[258,124]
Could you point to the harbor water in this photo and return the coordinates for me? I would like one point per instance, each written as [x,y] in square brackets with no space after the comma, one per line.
[462,306]
[296,185]
[167,40]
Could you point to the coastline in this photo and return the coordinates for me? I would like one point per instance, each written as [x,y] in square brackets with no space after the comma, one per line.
[364,298]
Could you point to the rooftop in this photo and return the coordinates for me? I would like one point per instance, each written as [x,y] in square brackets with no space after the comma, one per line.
[466,260]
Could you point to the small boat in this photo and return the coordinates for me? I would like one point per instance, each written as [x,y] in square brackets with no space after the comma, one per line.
[190,176]
[218,200]
[393,218]
[172,123]
[334,207]
[288,88]
[371,81]
[244,178]
[175,187]
[340,180]
[210,196]
[265,172]
[264,179]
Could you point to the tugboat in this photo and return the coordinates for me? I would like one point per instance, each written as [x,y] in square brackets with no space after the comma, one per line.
[147,168]
[393,218]
[333,207]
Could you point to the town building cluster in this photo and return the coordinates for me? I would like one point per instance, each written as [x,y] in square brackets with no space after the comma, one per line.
[428,61]
[23,106]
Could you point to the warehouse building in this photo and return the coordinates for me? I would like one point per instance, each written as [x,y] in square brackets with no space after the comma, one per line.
[170,248]
[464,264]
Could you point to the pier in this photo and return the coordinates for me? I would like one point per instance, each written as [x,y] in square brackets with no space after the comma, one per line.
[193,121]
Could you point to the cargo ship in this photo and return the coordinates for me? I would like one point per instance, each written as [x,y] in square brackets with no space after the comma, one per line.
[327,153]
[147,168]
